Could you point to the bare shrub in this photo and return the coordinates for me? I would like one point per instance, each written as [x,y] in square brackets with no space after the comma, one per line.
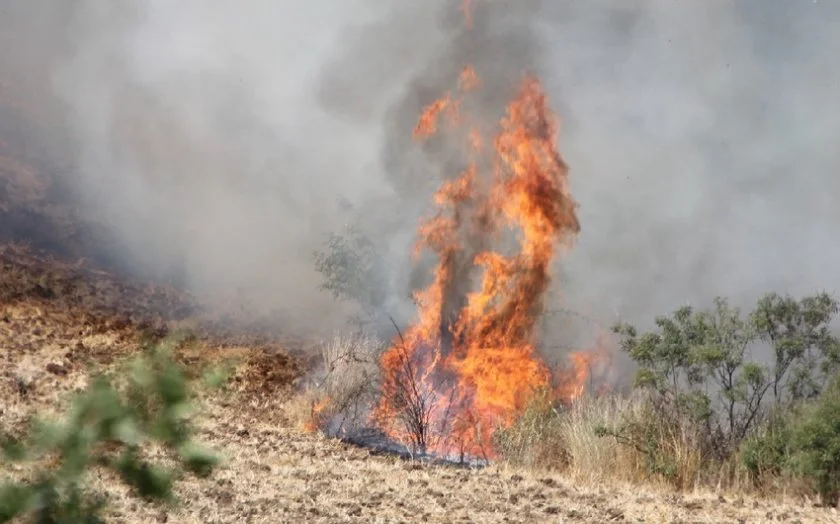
[410,403]
[344,391]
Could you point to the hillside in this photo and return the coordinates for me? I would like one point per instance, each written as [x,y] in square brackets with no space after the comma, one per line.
[55,318]
[67,311]
[61,318]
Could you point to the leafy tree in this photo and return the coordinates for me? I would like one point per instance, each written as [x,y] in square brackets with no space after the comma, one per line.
[108,425]
[805,351]
[351,267]
[696,367]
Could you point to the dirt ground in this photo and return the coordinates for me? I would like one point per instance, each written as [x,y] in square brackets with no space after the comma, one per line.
[58,321]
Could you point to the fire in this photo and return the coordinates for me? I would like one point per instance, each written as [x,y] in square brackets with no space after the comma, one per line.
[466,10]
[583,367]
[316,414]
[469,363]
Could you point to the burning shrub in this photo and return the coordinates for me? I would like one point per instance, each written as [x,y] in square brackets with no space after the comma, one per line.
[469,363]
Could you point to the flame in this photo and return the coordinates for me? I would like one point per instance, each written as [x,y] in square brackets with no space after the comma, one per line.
[469,363]
[317,415]
[584,367]
[467,11]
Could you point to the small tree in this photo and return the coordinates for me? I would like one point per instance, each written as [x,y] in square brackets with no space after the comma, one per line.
[806,353]
[108,425]
[352,270]
[696,368]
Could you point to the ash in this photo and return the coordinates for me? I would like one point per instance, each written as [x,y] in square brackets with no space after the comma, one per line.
[379,443]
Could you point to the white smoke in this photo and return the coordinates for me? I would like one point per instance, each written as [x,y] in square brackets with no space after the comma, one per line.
[217,136]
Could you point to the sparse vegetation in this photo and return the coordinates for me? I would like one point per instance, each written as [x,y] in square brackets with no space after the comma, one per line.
[109,425]
[702,373]
[719,397]
[62,319]
[707,410]
[346,387]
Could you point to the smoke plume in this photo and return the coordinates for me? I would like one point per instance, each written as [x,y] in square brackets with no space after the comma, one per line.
[217,139]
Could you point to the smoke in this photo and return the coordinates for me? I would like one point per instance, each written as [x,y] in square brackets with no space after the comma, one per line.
[215,138]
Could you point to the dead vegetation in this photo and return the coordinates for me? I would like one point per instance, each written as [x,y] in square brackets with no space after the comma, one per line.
[338,394]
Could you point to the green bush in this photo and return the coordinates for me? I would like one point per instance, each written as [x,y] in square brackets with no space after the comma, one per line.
[108,425]
[703,386]
[352,270]
[765,454]
[815,444]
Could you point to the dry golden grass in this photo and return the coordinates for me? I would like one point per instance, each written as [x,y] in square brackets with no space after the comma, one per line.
[598,459]
[278,474]
[567,440]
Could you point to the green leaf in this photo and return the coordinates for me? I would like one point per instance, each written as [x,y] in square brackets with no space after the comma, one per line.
[12,448]
[198,460]
[218,376]
[127,432]
[151,482]
[14,500]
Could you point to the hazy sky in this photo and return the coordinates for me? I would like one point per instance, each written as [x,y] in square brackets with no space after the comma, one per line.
[219,135]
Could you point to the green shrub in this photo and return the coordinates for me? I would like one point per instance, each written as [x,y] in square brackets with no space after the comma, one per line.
[765,455]
[704,390]
[352,270]
[108,425]
[815,444]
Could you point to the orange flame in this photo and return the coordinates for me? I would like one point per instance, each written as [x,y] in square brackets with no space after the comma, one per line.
[467,11]
[316,415]
[469,363]
[583,367]
[460,374]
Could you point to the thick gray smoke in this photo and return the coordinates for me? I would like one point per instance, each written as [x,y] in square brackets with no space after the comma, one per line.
[217,137]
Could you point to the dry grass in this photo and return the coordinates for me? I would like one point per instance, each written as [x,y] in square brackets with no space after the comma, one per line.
[598,459]
[567,440]
[340,392]
[277,474]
